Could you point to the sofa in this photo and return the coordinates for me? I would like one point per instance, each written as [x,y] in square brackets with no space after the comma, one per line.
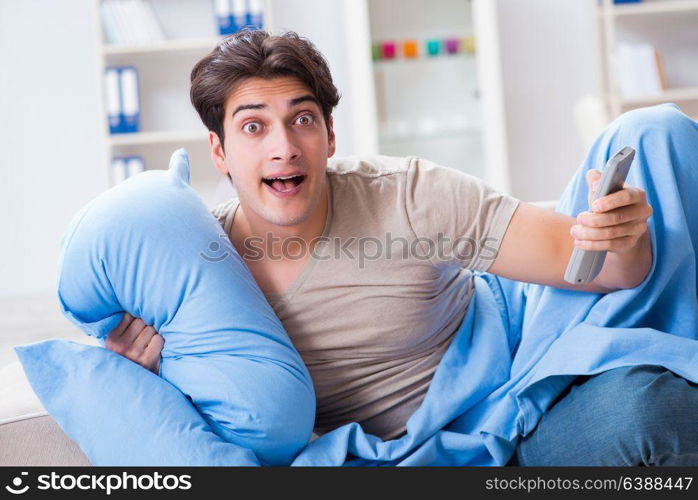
[28,434]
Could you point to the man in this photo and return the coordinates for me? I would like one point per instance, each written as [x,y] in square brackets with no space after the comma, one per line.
[371,329]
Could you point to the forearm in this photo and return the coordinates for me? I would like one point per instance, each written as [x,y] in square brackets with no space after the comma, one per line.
[627,269]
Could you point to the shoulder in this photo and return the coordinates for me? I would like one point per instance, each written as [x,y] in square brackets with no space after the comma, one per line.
[368,166]
[405,177]
[424,170]
[409,168]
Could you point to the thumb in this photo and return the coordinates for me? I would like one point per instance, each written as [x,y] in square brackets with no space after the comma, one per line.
[593,176]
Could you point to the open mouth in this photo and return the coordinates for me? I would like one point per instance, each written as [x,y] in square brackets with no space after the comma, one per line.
[284,184]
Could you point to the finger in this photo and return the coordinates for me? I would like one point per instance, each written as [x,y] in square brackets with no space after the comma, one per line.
[633,228]
[139,343]
[115,338]
[151,355]
[156,344]
[592,176]
[614,245]
[121,327]
[131,332]
[616,216]
[627,196]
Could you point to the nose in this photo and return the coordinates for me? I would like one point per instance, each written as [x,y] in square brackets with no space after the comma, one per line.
[283,147]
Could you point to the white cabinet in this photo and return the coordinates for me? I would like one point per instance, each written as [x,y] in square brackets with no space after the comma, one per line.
[425,74]
[670,26]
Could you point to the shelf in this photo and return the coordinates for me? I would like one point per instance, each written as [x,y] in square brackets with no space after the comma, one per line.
[378,63]
[164,47]
[666,7]
[683,94]
[162,137]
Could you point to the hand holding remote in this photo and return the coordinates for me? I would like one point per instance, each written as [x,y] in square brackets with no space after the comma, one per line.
[584,265]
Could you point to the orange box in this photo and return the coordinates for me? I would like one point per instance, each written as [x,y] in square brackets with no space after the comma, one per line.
[409,49]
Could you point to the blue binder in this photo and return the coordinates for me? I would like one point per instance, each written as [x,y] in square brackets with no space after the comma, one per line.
[234,15]
[113,98]
[224,17]
[238,14]
[255,11]
[123,99]
[130,99]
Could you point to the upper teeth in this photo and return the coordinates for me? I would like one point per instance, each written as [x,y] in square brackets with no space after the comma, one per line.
[283,178]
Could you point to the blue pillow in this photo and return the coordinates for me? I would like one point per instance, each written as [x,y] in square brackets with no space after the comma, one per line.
[121,414]
[149,246]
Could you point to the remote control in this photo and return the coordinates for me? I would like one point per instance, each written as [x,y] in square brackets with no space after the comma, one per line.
[585,265]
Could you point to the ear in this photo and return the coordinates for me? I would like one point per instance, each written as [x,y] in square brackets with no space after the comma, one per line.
[331,138]
[217,153]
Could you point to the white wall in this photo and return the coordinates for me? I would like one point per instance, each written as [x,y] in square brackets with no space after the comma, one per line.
[549,60]
[51,149]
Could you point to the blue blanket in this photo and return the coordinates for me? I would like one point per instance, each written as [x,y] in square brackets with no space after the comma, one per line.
[520,345]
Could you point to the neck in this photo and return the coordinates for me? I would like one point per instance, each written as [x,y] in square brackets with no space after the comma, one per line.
[249,225]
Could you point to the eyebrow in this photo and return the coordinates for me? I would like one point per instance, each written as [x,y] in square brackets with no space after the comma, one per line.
[293,102]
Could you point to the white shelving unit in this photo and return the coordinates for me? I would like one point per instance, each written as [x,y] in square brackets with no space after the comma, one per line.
[195,45]
[168,120]
[672,27]
[162,137]
[428,105]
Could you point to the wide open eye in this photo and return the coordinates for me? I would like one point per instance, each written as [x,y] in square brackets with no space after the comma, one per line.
[309,119]
[251,127]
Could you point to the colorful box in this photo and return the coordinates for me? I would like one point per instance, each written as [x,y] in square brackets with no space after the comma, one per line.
[409,49]
[388,50]
[433,47]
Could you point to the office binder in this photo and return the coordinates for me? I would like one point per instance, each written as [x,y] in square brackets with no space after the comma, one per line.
[224,18]
[234,15]
[113,99]
[123,167]
[130,22]
[130,105]
[238,14]
[122,99]
[255,14]
[134,165]
[118,170]
[112,29]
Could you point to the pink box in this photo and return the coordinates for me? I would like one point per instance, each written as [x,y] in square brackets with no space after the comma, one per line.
[388,49]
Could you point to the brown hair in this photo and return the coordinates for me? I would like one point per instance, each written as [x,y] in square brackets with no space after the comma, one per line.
[257,53]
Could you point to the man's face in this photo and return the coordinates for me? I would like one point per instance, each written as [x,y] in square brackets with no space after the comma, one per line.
[275,128]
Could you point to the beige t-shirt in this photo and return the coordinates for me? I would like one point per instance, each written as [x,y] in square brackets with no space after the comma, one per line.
[372,330]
